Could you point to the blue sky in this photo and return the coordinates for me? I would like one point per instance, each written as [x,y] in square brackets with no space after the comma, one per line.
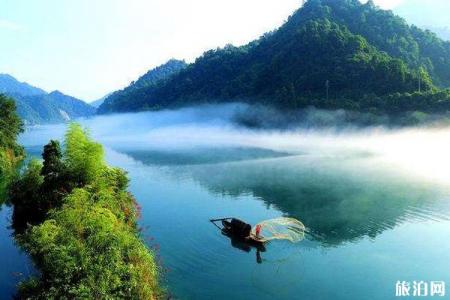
[87,48]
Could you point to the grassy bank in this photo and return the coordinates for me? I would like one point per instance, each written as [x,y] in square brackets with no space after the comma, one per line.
[76,219]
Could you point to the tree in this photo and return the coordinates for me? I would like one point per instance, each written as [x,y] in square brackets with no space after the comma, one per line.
[84,157]
[84,241]
[57,180]
[53,165]
[10,152]
[25,195]
[10,125]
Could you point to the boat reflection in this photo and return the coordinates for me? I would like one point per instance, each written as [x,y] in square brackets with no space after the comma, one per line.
[239,234]
[246,246]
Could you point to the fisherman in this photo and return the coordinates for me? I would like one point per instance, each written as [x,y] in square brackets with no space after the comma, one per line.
[257,230]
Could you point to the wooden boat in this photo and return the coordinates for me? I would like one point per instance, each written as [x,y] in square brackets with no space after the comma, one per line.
[239,230]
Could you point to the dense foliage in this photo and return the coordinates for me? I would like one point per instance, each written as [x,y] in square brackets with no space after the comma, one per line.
[74,216]
[35,106]
[10,151]
[329,54]
[386,31]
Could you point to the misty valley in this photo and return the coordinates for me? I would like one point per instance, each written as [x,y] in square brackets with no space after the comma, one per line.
[363,196]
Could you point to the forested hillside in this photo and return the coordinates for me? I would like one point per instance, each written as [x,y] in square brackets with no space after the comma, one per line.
[329,54]
[35,106]
[386,31]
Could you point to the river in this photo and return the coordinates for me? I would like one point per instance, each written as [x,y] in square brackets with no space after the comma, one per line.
[376,203]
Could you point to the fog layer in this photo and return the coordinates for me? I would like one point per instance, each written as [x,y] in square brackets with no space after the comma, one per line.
[416,151]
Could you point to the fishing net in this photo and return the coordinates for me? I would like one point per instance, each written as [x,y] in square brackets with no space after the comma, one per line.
[280,229]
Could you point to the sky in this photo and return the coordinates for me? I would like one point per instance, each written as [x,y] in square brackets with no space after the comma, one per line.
[88,48]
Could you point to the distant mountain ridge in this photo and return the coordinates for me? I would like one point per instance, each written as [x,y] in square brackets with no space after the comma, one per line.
[10,85]
[35,106]
[100,101]
[330,54]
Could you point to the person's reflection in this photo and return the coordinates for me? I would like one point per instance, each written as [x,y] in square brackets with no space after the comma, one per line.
[258,256]
[246,246]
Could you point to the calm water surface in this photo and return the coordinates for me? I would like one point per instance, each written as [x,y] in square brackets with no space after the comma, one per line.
[15,265]
[371,222]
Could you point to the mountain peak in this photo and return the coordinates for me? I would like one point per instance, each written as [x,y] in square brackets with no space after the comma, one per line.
[11,86]
[7,76]
[57,93]
[161,72]
[330,54]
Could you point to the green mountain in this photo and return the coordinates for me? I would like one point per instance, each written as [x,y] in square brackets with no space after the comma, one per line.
[329,54]
[146,82]
[36,106]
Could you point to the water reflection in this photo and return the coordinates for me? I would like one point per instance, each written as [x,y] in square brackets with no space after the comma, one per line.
[246,246]
[339,198]
[240,243]
[198,156]
[15,264]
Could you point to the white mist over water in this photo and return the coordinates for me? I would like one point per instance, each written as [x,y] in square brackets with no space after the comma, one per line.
[421,152]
